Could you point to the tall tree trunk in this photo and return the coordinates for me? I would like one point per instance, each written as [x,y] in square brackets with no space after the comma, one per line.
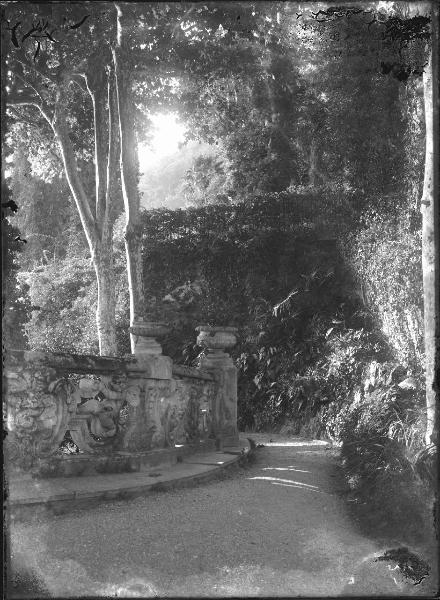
[129,176]
[130,192]
[105,311]
[429,209]
[99,239]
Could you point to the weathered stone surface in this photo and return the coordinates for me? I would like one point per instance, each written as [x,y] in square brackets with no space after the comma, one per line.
[216,338]
[191,373]
[220,364]
[38,408]
[152,366]
[134,405]
[66,363]
[136,435]
[144,334]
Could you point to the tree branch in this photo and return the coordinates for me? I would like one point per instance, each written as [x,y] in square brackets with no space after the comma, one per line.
[79,80]
[88,221]
[113,147]
[128,156]
[97,89]
[28,84]
[30,101]
[23,99]
[21,57]
[22,117]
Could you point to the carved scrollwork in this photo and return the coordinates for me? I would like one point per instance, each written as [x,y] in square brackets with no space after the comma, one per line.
[206,410]
[98,419]
[173,426]
[186,415]
[39,406]
[158,396]
[193,412]
[173,418]
[132,429]
[59,406]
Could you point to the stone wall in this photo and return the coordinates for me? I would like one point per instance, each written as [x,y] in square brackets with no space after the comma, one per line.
[114,408]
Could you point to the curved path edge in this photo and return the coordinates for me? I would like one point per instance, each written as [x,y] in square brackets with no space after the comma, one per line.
[26,496]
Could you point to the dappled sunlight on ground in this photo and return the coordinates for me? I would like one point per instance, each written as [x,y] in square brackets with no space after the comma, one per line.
[298,485]
[306,451]
[284,469]
[284,481]
[294,443]
[289,483]
[285,441]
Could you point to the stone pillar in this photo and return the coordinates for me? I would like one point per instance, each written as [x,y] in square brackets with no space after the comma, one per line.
[150,375]
[216,340]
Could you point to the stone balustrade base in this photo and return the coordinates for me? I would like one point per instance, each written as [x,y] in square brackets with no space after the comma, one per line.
[84,465]
[229,440]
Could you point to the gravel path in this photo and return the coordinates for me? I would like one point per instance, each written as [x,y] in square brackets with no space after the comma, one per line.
[278,527]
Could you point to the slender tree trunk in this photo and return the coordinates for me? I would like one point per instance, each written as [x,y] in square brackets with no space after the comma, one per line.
[129,176]
[96,84]
[99,240]
[429,209]
[106,305]
[130,192]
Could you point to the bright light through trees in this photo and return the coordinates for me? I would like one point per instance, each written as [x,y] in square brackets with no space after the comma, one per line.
[167,134]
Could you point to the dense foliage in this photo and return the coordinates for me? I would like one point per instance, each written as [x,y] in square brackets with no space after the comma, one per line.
[386,256]
[15,302]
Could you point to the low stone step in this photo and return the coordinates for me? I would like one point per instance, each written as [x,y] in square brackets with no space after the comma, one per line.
[62,494]
[217,458]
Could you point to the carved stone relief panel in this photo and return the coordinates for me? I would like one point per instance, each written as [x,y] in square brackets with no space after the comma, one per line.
[157,393]
[96,426]
[180,411]
[206,410]
[39,405]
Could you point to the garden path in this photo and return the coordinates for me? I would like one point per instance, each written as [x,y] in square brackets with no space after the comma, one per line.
[279,527]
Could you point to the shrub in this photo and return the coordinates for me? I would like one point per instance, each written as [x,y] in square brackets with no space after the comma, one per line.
[386,255]
[300,363]
[63,295]
[386,463]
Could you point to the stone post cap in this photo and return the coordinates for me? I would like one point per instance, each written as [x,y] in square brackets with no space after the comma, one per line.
[216,339]
[145,334]
[148,328]
[215,329]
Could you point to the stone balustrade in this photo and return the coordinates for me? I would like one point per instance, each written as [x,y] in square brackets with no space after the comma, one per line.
[118,411]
